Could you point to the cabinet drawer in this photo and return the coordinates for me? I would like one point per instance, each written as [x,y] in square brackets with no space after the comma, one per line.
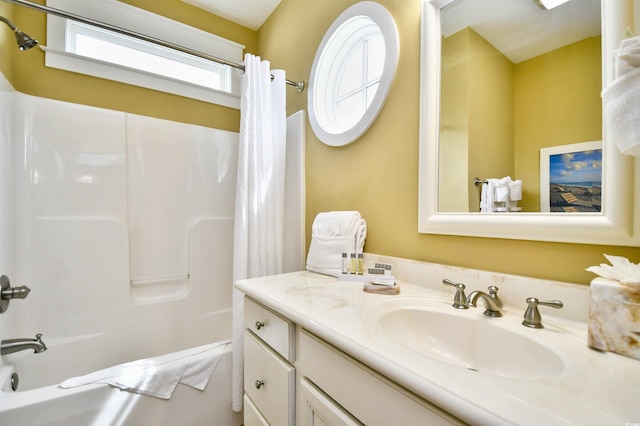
[269,381]
[370,397]
[252,416]
[319,410]
[276,331]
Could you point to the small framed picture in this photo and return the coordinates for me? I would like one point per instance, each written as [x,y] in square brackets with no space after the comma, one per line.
[571,178]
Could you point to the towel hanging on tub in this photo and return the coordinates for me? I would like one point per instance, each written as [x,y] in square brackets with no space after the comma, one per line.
[160,375]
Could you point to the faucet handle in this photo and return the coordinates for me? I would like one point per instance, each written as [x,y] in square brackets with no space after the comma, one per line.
[7,293]
[532,316]
[493,293]
[460,299]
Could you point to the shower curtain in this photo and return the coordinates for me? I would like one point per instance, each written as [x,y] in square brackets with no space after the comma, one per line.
[259,208]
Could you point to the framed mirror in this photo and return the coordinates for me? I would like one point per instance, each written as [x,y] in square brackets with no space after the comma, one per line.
[447,171]
[352,73]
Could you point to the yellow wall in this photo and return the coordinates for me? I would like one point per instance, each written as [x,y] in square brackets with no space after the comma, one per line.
[454,125]
[557,103]
[7,42]
[377,175]
[476,100]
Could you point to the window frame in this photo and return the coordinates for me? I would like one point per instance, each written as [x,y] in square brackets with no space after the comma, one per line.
[324,79]
[60,31]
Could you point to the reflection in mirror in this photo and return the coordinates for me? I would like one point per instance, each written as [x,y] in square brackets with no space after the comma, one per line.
[508,98]
[517,78]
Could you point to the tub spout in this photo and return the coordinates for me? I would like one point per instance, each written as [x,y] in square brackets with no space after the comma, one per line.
[10,346]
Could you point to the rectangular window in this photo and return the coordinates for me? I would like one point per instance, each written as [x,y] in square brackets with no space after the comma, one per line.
[119,49]
[82,48]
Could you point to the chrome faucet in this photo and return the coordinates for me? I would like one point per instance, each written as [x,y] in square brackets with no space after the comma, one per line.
[10,346]
[492,301]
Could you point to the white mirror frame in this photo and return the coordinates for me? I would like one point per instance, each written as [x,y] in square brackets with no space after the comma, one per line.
[621,201]
[381,16]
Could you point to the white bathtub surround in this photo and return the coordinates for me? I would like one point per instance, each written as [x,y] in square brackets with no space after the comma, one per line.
[158,376]
[258,247]
[159,188]
[583,387]
[334,233]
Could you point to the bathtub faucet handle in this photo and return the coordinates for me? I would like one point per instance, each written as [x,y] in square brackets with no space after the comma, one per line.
[7,292]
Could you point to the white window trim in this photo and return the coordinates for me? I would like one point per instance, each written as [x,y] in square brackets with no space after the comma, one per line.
[140,21]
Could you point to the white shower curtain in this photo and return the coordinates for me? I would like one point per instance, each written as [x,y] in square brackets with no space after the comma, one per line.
[259,209]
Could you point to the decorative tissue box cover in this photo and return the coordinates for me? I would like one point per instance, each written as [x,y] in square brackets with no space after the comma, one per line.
[614,317]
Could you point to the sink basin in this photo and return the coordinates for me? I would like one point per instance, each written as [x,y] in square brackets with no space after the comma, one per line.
[464,339]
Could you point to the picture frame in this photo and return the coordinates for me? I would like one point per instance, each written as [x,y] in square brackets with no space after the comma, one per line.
[571,178]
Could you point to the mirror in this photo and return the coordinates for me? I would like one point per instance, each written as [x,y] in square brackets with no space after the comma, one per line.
[447,171]
[352,73]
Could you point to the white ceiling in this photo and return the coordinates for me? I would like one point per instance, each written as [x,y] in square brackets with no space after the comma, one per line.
[250,13]
[521,29]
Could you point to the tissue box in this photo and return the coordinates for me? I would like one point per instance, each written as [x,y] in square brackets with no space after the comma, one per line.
[614,317]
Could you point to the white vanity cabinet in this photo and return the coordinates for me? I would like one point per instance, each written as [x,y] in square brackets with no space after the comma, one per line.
[340,390]
[269,376]
[293,377]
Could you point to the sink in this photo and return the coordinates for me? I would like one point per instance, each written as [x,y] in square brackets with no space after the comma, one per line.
[470,340]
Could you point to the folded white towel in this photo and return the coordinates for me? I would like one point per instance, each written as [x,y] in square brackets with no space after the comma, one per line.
[160,375]
[627,57]
[336,223]
[622,112]
[502,193]
[515,190]
[622,98]
[332,234]
[325,253]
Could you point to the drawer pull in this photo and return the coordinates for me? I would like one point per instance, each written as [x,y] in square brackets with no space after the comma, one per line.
[259,384]
[259,325]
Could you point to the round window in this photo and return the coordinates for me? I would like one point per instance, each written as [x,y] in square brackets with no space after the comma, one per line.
[352,73]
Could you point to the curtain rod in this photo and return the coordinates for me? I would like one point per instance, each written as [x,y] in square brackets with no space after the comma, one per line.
[299,85]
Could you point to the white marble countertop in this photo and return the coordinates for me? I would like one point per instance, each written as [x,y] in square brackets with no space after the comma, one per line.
[594,388]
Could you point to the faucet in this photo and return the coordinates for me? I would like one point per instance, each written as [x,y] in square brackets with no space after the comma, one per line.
[492,301]
[532,316]
[459,300]
[10,346]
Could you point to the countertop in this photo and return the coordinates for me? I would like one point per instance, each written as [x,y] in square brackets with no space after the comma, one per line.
[594,388]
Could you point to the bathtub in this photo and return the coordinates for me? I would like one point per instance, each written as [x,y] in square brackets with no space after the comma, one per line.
[39,401]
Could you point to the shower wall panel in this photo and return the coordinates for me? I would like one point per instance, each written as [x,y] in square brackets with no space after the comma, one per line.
[65,223]
[88,179]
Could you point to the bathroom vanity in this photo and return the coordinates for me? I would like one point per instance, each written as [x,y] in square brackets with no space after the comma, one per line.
[322,351]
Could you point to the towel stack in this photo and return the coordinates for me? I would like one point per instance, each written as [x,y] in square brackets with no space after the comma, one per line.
[622,98]
[332,234]
[500,195]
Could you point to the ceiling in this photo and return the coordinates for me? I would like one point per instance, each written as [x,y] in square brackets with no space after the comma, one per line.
[249,13]
[521,29]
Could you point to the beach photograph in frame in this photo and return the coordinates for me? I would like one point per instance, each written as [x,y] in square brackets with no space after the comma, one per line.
[571,178]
